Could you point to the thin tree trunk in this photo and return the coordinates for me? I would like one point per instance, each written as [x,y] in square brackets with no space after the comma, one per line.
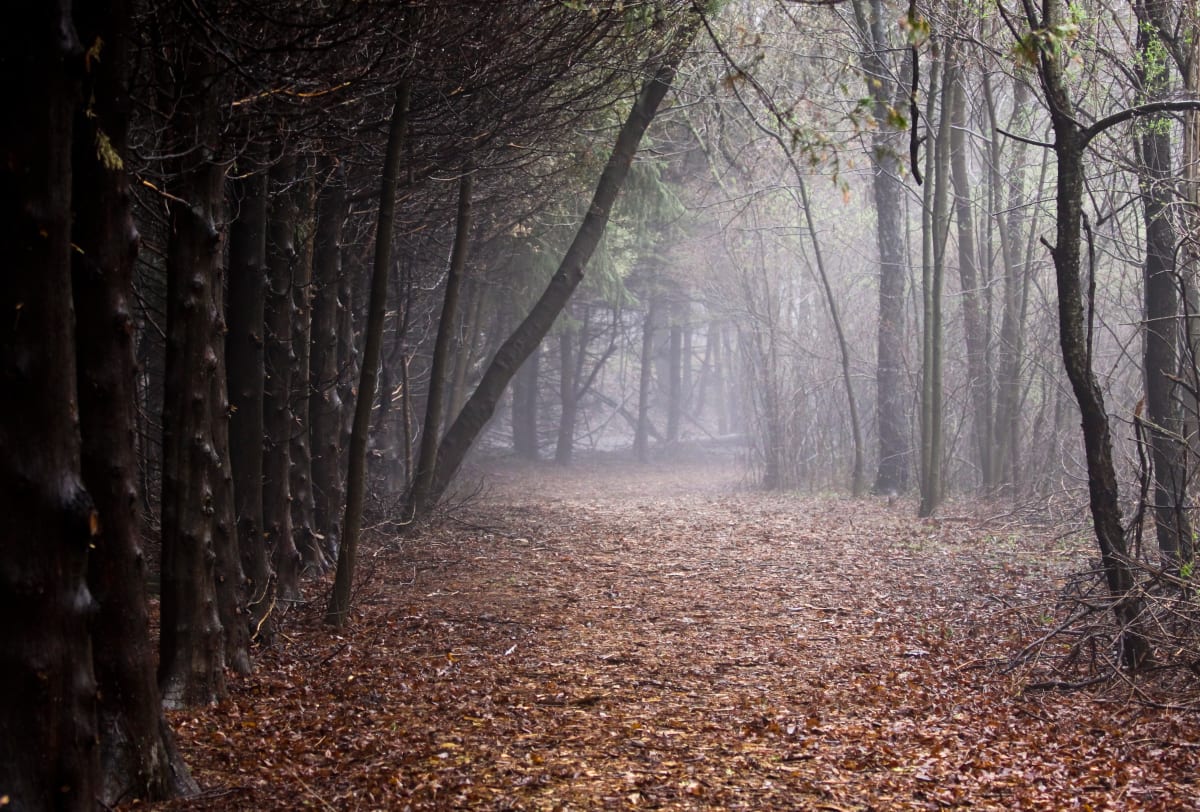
[979,376]
[325,404]
[566,392]
[674,379]
[303,506]
[858,480]
[440,367]
[934,229]
[339,600]
[277,390]
[1070,144]
[245,373]
[641,445]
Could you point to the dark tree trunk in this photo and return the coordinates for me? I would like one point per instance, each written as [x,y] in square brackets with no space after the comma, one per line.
[303,507]
[138,758]
[245,373]
[277,390]
[339,600]
[533,329]
[228,576]
[48,753]
[191,651]
[325,403]
[440,367]
[1161,301]
[1070,145]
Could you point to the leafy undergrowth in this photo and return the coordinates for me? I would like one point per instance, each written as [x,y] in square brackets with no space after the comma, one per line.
[662,637]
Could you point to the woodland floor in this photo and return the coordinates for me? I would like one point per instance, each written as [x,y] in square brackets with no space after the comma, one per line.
[665,637]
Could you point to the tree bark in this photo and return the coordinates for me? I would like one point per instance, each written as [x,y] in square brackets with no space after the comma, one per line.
[245,374]
[895,453]
[533,329]
[979,376]
[440,367]
[338,610]
[303,505]
[138,757]
[48,753]
[1161,306]
[277,389]
[191,651]
[935,227]
[1070,144]
[325,403]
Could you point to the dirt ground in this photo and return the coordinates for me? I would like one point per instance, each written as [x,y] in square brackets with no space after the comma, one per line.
[624,637]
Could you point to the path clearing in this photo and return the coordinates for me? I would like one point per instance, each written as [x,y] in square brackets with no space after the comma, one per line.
[663,637]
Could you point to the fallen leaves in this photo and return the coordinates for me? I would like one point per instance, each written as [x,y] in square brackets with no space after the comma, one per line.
[583,643]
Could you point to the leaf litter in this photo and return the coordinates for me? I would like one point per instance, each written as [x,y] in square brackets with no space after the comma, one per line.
[665,637]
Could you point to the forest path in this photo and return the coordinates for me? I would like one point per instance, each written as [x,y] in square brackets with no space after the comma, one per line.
[664,637]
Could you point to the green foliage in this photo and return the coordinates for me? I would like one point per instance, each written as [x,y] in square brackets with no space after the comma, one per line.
[1055,40]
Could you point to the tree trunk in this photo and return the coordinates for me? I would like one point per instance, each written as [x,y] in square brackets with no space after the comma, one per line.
[325,403]
[277,389]
[1070,144]
[979,376]
[934,229]
[48,753]
[138,758]
[674,380]
[245,373]
[303,508]
[565,446]
[532,330]
[191,651]
[440,367]
[339,600]
[1161,307]
[894,448]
